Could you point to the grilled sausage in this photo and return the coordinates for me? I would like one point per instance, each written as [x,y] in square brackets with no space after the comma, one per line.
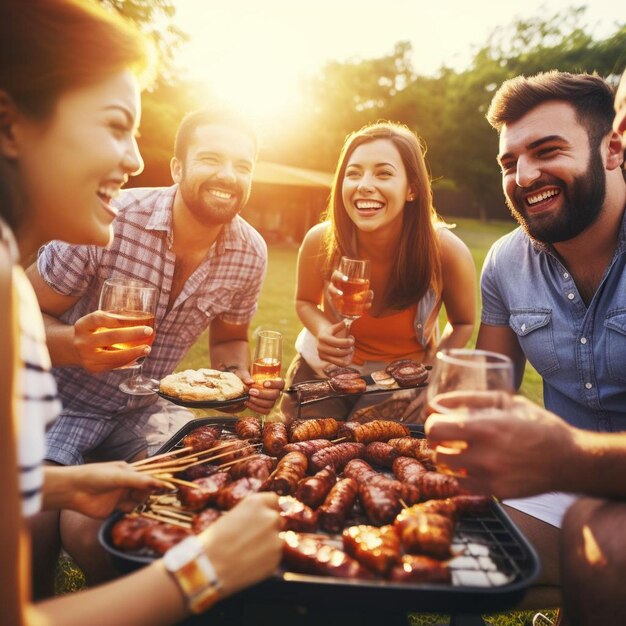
[309,555]
[376,548]
[236,491]
[284,479]
[204,519]
[128,533]
[320,428]
[195,499]
[348,383]
[338,505]
[249,428]
[258,466]
[380,453]
[376,430]
[161,537]
[426,533]
[364,473]
[435,486]
[336,456]
[308,448]
[381,504]
[416,448]
[202,438]
[313,491]
[299,516]
[421,569]
[408,470]
[467,503]
[274,437]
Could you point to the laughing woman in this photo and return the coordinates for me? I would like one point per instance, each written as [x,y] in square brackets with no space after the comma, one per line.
[381,209]
[69,109]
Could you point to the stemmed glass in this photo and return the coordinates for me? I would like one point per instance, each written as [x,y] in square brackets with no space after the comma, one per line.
[131,303]
[464,380]
[352,282]
[267,356]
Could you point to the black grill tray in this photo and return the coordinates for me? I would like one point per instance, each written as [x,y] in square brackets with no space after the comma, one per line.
[497,566]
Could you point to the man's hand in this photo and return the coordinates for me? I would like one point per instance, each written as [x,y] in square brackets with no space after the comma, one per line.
[97,331]
[335,345]
[97,489]
[509,453]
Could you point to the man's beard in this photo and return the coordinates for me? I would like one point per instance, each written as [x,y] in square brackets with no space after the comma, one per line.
[582,204]
[209,212]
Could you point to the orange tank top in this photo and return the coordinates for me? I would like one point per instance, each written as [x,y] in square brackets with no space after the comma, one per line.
[386,338]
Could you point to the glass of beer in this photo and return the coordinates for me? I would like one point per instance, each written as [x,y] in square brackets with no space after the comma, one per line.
[352,282]
[130,303]
[267,356]
[468,380]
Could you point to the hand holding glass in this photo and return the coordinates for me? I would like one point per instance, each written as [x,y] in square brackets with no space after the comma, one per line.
[131,303]
[465,380]
[267,356]
[351,280]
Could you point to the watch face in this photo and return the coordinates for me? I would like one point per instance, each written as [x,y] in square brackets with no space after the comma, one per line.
[178,556]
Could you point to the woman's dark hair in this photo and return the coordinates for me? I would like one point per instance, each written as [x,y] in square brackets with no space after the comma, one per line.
[589,95]
[416,265]
[49,47]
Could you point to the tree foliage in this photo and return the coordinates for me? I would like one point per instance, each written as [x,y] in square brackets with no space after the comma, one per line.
[447,110]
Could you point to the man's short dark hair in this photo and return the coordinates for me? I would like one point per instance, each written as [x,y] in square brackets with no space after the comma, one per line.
[206,117]
[589,95]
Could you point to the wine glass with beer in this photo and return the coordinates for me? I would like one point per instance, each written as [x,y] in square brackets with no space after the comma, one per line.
[468,380]
[267,356]
[131,303]
[351,281]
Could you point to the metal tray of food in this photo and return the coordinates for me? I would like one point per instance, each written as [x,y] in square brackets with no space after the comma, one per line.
[494,565]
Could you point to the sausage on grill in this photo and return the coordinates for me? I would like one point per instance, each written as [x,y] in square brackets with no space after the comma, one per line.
[195,499]
[416,568]
[299,516]
[381,504]
[274,437]
[308,448]
[284,479]
[313,490]
[338,505]
[336,456]
[408,470]
[320,428]
[380,453]
[202,438]
[257,466]
[309,555]
[249,428]
[128,533]
[161,537]
[376,430]
[236,491]
[376,548]
[204,519]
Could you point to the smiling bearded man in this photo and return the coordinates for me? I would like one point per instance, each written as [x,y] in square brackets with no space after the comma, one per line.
[554,290]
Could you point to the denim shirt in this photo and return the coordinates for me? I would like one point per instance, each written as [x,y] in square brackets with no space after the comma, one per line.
[579,350]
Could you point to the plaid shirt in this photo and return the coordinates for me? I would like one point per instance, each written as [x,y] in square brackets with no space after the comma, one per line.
[226,285]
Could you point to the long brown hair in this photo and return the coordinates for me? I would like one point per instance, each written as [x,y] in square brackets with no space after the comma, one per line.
[48,47]
[416,265]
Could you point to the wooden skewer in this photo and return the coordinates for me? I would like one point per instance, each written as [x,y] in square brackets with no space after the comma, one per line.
[404,504]
[245,458]
[145,463]
[170,507]
[166,465]
[151,459]
[218,456]
[165,520]
[338,440]
[168,478]
[172,514]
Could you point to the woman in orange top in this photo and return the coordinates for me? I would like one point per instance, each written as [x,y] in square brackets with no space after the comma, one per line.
[381,209]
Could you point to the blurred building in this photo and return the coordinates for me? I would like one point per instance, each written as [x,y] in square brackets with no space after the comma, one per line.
[286,201]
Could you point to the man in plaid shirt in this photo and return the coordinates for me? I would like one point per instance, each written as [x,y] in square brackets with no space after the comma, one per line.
[208,265]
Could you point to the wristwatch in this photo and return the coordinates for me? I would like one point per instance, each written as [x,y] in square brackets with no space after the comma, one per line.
[192,569]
